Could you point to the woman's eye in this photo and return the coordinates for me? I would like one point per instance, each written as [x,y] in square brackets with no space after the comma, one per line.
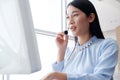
[75,15]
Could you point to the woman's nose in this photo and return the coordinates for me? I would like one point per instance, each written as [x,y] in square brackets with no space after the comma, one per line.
[71,21]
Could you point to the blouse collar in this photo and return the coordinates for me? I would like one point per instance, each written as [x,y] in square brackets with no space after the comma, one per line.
[88,43]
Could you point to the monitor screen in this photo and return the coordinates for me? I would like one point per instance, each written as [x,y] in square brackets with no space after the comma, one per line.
[18,46]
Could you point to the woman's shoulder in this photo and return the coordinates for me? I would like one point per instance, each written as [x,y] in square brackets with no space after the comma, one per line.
[106,43]
[106,46]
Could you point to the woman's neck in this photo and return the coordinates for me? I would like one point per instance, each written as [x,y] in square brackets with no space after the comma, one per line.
[82,39]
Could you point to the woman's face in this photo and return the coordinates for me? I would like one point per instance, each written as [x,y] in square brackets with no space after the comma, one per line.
[77,20]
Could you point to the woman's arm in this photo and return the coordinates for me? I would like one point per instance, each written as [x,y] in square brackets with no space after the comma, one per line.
[61,42]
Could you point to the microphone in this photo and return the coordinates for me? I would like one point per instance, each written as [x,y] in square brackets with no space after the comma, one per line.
[75,39]
[66,32]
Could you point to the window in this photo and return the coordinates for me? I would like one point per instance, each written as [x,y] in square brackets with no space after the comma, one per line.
[46,14]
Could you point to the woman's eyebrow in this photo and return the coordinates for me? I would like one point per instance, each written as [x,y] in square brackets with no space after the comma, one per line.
[73,12]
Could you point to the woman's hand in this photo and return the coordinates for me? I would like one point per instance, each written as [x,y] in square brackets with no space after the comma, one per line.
[61,41]
[55,76]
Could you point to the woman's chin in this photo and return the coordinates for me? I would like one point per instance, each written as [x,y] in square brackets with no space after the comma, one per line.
[75,34]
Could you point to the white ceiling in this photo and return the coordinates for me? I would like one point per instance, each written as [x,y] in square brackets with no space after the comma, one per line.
[108,12]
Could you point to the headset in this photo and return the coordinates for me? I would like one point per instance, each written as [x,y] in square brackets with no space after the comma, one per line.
[76,40]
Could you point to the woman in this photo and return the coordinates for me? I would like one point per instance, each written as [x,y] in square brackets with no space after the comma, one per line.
[94,57]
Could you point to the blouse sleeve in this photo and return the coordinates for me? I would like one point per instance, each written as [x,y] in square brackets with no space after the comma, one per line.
[59,66]
[105,67]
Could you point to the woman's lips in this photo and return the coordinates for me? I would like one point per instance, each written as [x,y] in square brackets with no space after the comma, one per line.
[72,28]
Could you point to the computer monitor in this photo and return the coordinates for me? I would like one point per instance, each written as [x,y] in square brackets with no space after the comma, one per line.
[18,46]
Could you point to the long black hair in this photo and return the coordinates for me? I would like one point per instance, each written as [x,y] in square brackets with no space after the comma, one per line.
[87,7]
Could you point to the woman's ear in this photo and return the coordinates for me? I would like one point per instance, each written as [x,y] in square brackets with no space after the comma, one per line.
[91,17]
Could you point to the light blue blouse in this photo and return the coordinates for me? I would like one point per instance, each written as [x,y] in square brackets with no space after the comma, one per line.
[95,60]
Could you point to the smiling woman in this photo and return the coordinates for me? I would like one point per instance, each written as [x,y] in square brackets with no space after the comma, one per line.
[94,57]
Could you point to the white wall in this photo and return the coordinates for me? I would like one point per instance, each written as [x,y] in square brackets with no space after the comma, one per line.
[112,34]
